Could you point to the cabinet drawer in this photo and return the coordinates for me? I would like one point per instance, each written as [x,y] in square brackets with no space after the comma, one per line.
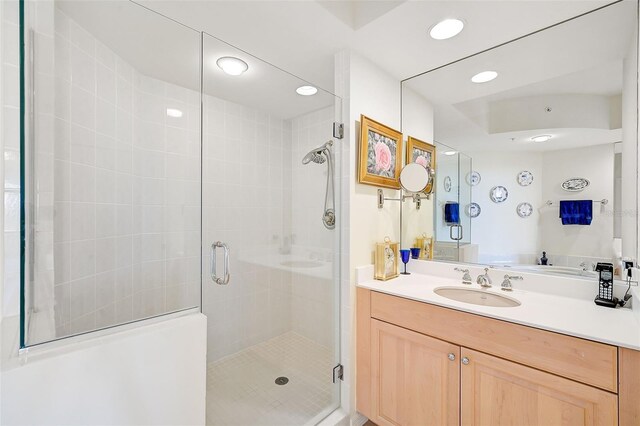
[578,359]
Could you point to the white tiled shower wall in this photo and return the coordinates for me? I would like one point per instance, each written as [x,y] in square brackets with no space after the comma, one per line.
[10,125]
[125,180]
[243,206]
[260,200]
[313,303]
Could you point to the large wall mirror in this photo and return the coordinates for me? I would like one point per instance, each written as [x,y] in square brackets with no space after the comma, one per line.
[536,148]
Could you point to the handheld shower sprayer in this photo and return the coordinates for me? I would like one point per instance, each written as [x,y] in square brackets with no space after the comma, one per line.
[319,156]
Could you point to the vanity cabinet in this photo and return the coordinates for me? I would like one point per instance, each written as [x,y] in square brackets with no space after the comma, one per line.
[415,378]
[419,364]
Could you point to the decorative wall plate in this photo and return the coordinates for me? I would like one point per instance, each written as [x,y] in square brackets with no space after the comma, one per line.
[524,209]
[525,178]
[575,184]
[499,194]
[447,184]
[473,210]
[473,178]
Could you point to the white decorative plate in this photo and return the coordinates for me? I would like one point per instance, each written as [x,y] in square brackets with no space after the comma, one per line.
[447,184]
[525,178]
[473,178]
[473,210]
[575,184]
[499,194]
[524,209]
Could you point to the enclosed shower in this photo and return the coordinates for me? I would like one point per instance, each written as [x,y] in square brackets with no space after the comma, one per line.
[157,180]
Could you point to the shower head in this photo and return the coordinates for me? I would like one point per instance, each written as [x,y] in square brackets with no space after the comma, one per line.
[317,155]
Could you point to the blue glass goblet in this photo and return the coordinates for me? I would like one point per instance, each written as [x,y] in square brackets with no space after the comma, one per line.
[415,252]
[404,255]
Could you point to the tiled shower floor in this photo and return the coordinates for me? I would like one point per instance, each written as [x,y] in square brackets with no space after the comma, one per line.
[241,388]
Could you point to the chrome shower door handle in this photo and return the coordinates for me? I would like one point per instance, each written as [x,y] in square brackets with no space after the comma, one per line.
[214,267]
[459,232]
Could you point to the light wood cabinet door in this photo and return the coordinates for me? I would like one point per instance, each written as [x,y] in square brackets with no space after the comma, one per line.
[497,392]
[413,380]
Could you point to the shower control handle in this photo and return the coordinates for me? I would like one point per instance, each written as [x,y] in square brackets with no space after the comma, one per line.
[214,267]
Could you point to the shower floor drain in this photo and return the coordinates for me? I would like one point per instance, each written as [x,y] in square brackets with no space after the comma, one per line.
[282,381]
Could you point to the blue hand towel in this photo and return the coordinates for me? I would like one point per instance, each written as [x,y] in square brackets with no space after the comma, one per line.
[452,213]
[576,212]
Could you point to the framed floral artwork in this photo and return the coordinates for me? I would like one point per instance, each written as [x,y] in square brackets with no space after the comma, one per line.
[422,153]
[380,154]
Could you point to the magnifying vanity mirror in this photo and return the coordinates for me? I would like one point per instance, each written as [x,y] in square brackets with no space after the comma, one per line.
[416,181]
[414,178]
[541,158]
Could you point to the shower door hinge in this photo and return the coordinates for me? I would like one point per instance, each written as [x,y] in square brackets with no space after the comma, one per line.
[338,372]
[338,130]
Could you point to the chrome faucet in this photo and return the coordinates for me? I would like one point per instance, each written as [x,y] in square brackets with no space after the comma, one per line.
[506,284]
[484,279]
[466,278]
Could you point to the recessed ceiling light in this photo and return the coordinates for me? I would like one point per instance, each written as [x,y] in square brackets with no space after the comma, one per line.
[306,90]
[484,76]
[450,152]
[446,29]
[172,112]
[541,138]
[232,65]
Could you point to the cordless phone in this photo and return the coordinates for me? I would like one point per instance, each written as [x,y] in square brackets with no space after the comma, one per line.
[605,286]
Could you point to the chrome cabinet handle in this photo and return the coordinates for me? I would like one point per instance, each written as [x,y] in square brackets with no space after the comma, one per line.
[460,232]
[214,267]
[465,360]
[451,357]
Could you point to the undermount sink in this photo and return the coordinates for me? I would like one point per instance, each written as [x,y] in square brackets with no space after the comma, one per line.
[476,297]
[301,264]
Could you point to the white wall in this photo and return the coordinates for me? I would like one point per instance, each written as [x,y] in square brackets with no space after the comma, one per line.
[501,235]
[365,89]
[376,95]
[149,375]
[596,164]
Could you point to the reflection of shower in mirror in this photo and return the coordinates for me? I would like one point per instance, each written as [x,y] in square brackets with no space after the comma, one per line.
[319,156]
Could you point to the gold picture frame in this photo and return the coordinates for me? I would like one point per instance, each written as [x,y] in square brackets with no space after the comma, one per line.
[422,153]
[380,158]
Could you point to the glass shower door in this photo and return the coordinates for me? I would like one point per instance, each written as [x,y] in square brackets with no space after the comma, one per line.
[270,277]
[452,242]
[111,167]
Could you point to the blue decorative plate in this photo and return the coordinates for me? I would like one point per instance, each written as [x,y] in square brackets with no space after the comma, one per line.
[473,210]
[575,184]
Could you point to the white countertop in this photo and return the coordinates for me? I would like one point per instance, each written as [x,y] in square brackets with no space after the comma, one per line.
[572,316]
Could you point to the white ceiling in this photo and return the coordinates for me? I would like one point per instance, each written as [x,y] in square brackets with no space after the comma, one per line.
[171,52]
[303,36]
[576,69]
